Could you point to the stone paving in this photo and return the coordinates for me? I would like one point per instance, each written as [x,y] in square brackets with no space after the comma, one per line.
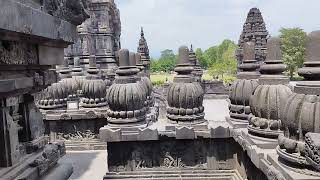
[87,165]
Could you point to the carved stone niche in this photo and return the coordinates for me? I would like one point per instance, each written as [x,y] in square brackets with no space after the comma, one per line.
[127,96]
[270,97]
[185,96]
[299,147]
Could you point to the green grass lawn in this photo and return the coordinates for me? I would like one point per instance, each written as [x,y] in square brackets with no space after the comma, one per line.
[159,79]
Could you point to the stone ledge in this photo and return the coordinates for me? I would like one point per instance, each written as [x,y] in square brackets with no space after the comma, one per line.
[15,84]
[22,22]
[119,134]
[176,174]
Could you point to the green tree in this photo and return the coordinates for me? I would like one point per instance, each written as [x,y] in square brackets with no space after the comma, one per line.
[293,42]
[224,62]
[165,63]
[199,54]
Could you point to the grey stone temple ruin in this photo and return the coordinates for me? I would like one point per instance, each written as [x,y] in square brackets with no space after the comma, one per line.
[67,85]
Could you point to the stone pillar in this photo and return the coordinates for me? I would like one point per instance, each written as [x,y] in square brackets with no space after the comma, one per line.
[301,115]
[242,89]
[268,100]
[185,97]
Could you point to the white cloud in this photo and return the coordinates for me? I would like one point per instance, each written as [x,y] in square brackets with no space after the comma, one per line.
[171,23]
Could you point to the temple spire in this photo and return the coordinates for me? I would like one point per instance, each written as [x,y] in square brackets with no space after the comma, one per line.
[143,50]
[142,33]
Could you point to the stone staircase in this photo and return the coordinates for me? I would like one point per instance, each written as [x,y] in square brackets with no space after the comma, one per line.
[186,174]
[94,144]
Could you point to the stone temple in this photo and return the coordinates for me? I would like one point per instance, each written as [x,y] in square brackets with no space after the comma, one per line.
[69,88]
[254,30]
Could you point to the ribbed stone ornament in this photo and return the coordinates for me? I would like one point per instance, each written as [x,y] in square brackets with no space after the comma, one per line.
[185,96]
[301,115]
[57,95]
[146,82]
[270,97]
[242,89]
[93,88]
[127,96]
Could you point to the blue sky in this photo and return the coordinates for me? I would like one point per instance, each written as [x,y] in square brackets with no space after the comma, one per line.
[169,24]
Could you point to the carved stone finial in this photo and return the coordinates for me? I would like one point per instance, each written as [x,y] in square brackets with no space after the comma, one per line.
[270,97]
[127,96]
[273,68]
[249,64]
[93,88]
[124,57]
[185,97]
[311,69]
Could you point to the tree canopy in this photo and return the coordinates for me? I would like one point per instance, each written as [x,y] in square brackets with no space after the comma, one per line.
[219,60]
[293,42]
[165,63]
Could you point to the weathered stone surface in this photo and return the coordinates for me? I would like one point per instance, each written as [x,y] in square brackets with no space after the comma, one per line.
[29,21]
[70,10]
[50,55]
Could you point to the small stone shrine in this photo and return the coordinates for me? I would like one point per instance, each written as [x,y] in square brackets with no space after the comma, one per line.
[197,71]
[270,97]
[254,30]
[30,44]
[143,50]
[242,89]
